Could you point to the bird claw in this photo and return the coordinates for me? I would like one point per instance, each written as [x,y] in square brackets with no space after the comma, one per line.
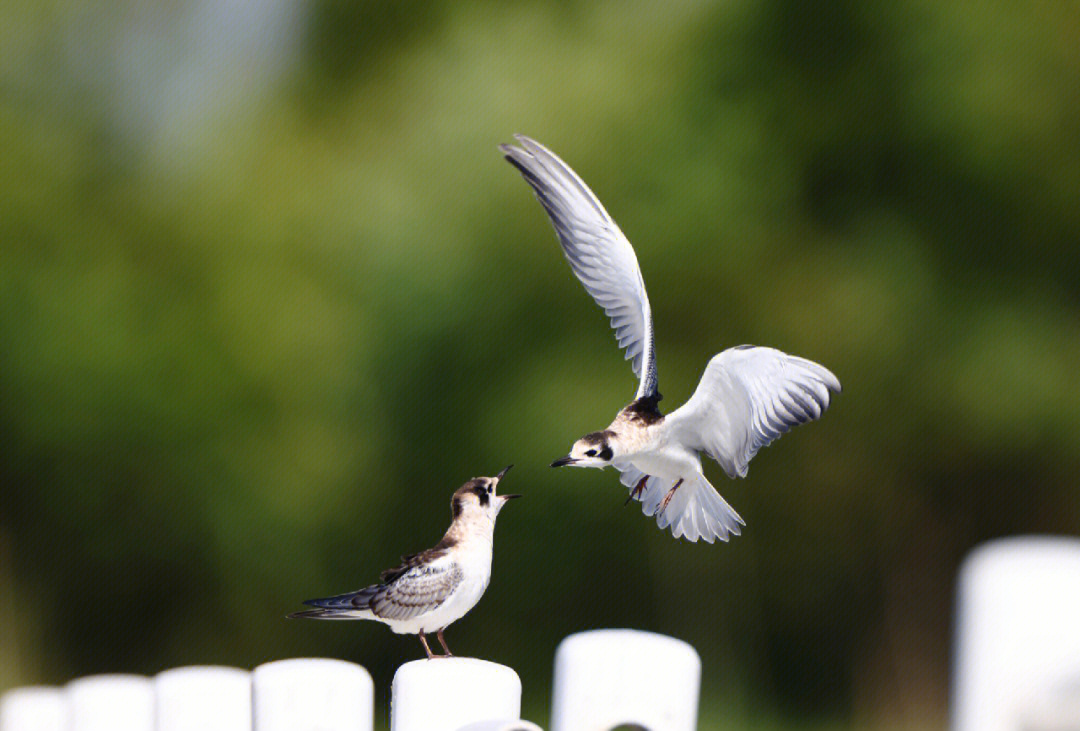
[635,494]
[670,494]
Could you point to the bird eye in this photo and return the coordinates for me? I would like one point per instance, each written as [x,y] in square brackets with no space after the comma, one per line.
[490,488]
[590,453]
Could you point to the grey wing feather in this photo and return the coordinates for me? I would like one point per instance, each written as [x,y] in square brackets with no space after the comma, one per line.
[420,589]
[748,397]
[597,250]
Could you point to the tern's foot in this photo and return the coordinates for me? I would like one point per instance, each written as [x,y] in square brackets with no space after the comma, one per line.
[670,494]
[423,640]
[635,494]
[442,641]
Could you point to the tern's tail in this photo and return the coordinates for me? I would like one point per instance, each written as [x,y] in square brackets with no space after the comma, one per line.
[353,605]
[324,614]
[695,510]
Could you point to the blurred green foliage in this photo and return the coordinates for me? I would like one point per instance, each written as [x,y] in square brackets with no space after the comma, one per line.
[246,362]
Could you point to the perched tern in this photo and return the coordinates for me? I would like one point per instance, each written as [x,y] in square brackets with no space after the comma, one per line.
[434,588]
[747,397]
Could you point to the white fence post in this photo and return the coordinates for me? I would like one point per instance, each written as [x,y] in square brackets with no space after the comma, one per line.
[313,694]
[1018,630]
[501,726]
[447,693]
[203,698]
[111,703]
[34,708]
[606,678]
[1057,710]
[518,725]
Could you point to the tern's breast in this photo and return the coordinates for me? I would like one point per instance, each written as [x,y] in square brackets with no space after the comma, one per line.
[474,559]
[668,461]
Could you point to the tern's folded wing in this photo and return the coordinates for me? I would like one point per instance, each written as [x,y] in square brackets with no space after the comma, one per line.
[419,589]
[748,397]
[599,254]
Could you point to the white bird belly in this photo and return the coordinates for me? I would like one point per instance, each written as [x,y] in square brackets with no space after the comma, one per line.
[668,462]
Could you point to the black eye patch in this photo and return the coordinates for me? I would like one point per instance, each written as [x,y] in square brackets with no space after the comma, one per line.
[606,454]
[482,491]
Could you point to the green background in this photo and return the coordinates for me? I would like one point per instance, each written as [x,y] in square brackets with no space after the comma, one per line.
[254,333]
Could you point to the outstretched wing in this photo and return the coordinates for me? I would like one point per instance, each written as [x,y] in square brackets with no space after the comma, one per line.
[599,254]
[748,397]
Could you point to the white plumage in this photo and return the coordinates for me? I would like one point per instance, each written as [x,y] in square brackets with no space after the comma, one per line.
[747,397]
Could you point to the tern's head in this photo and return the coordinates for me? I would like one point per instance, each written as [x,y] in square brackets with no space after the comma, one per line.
[478,498]
[592,450]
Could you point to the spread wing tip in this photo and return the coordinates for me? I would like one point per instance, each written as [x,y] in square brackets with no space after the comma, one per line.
[826,376]
[598,252]
[528,144]
[833,382]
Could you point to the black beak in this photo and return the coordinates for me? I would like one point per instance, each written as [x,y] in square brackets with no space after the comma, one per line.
[563,461]
[509,497]
[504,471]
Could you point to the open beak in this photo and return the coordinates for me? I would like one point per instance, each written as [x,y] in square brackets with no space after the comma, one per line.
[563,461]
[499,477]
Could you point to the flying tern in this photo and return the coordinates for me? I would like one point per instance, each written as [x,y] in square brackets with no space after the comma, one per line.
[747,397]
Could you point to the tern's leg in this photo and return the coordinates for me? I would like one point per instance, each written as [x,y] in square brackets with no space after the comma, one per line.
[443,643]
[427,649]
[635,494]
[670,494]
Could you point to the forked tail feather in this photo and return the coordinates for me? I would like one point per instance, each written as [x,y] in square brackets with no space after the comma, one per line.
[694,511]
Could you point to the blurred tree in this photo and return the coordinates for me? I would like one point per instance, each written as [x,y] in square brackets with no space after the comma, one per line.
[247,362]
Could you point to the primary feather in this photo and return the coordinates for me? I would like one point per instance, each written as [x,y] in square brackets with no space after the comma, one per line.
[597,250]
